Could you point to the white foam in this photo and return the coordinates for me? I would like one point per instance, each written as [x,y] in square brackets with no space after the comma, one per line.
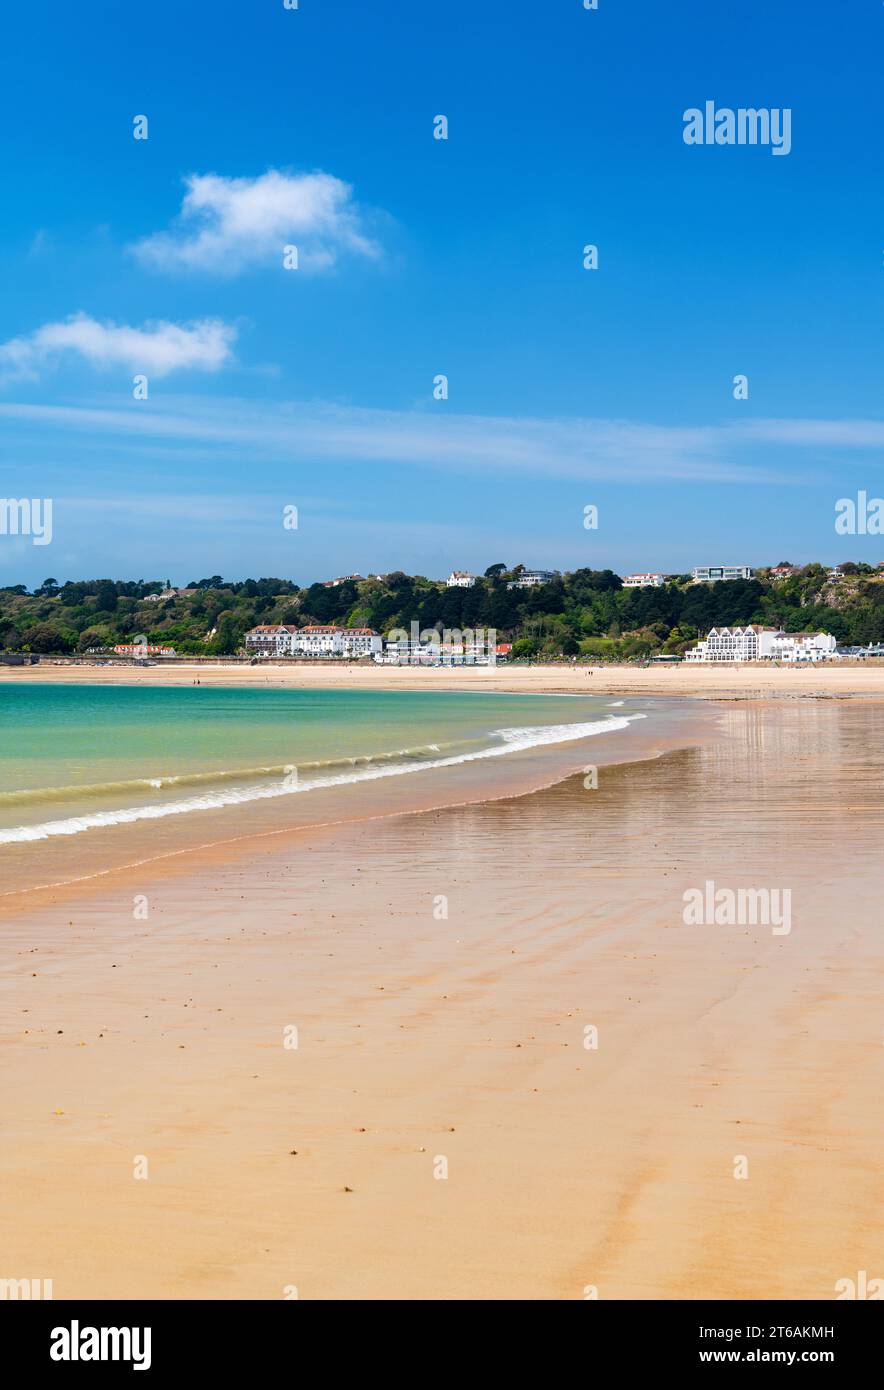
[511,741]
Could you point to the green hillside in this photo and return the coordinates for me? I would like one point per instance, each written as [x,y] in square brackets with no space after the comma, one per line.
[586,612]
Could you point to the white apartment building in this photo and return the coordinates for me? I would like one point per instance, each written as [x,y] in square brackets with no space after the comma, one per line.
[804,646]
[270,639]
[708,574]
[529,578]
[319,640]
[755,643]
[283,639]
[643,581]
[460,579]
[360,641]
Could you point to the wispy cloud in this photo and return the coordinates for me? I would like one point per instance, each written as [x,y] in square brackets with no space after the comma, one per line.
[753,451]
[40,244]
[567,449]
[823,434]
[227,225]
[157,348]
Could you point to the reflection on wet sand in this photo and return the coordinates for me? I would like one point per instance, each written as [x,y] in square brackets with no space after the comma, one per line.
[449,973]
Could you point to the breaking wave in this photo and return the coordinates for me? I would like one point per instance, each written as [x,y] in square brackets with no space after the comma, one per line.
[351,770]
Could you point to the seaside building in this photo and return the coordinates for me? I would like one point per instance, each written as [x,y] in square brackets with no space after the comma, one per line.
[528,579]
[644,581]
[284,639]
[360,641]
[345,579]
[709,574]
[858,653]
[270,639]
[317,640]
[460,579]
[784,571]
[804,646]
[755,643]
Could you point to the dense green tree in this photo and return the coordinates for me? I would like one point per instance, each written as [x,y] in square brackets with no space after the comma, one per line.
[524,648]
[46,640]
[106,598]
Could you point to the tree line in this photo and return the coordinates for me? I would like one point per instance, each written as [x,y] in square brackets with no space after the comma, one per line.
[585,612]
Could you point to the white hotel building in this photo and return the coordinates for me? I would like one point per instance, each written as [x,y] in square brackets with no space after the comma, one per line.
[460,579]
[644,581]
[756,643]
[284,639]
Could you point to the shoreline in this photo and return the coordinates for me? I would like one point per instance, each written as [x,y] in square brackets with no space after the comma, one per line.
[833,680]
[524,773]
[461,1037]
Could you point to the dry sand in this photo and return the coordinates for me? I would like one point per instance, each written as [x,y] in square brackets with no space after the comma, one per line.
[425,1038]
[715,682]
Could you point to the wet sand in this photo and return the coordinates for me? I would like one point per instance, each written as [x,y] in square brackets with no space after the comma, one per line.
[656,726]
[425,1037]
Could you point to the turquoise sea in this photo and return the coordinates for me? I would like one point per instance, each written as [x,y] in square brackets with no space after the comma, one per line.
[77,758]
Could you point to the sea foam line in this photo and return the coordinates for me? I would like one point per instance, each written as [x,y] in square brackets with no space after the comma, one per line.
[169,781]
[512,741]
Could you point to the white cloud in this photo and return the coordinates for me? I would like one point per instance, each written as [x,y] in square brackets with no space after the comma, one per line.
[155,349]
[228,224]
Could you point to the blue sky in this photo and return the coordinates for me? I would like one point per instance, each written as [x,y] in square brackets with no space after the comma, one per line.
[314,388]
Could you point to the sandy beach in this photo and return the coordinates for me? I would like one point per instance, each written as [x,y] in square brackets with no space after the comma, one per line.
[442,1130]
[341,342]
[718,682]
